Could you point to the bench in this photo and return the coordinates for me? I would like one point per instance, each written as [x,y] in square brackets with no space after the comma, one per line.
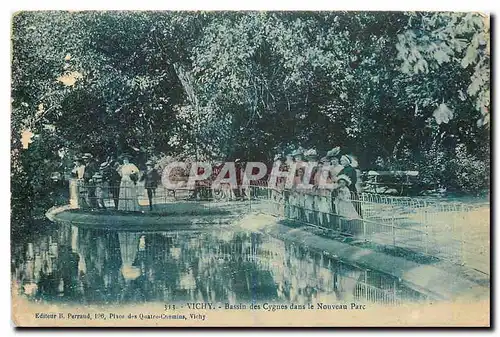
[383,181]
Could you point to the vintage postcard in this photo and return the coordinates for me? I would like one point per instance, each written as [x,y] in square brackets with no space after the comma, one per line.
[266,168]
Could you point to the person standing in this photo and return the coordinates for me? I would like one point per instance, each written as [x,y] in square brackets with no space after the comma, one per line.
[286,166]
[310,206]
[240,191]
[296,199]
[79,169]
[129,174]
[351,173]
[322,179]
[151,178]
[90,170]
[98,182]
[77,189]
[112,177]
[226,188]
[275,187]
[217,192]
[335,168]
[281,185]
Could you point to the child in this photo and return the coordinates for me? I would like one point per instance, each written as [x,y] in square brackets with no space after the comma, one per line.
[343,202]
[99,189]
[151,178]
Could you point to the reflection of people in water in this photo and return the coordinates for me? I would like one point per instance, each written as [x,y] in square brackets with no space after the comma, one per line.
[113,280]
[93,247]
[144,266]
[68,269]
[97,262]
[128,250]
[112,267]
[130,271]
[103,280]
[48,283]
[52,268]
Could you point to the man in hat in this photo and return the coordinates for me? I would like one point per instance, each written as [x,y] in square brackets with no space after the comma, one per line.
[151,178]
[112,178]
[349,171]
[226,189]
[90,166]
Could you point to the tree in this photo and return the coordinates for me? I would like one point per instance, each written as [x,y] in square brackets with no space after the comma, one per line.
[408,87]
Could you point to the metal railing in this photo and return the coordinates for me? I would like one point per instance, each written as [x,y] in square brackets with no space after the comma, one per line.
[135,197]
[429,227]
[447,230]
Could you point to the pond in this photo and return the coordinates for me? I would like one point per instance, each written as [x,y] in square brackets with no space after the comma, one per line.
[66,263]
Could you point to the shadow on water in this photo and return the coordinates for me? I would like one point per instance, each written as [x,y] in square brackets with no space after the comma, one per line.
[72,264]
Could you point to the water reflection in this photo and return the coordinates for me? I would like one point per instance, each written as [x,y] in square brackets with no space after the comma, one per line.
[95,266]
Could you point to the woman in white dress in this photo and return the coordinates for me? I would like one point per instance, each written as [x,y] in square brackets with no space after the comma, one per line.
[128,189]
[77,190]
[322,179]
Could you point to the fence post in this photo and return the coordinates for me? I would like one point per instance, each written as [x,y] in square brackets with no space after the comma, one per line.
[393,232]
[426,233]
[249,197]
[463,253]
[365,283]
[395,292]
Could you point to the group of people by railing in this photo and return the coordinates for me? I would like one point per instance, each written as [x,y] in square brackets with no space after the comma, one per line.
[117,179]
[331,187]
[331,194]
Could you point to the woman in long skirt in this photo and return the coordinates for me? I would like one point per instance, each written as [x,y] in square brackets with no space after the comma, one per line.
[322,179]
[128,189]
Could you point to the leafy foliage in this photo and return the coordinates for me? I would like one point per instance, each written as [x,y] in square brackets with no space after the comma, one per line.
[405,87]
[432,40]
